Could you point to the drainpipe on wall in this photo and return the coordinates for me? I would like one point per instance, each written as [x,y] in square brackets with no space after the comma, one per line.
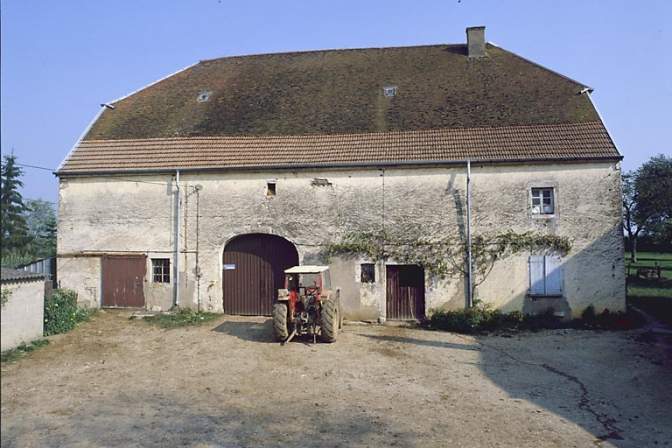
[470,299]
[176,273]
[198,189]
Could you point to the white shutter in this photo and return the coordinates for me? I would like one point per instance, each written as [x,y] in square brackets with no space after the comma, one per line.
[553,275]
[537,274]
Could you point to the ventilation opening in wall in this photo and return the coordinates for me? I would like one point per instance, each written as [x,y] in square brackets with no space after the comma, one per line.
[270,188]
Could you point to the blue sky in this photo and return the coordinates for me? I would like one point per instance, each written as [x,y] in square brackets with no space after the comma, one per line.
[61,60]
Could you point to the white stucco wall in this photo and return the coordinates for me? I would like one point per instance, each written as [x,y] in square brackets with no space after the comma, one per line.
[23,314]
[137,215]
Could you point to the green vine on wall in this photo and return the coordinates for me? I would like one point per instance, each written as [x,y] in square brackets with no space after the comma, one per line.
[447,256]
[5,295]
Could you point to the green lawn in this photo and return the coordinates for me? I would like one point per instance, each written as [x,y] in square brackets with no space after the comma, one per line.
[652,295]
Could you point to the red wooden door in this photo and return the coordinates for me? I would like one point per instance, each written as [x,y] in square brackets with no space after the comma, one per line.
[405,292]
[123,280]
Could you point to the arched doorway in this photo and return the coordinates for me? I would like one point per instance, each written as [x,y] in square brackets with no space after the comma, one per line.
[254,266]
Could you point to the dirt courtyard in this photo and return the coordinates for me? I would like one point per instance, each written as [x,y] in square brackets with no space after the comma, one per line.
[115,382]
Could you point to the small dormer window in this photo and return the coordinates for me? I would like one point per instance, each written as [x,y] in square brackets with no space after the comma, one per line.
[389,90]
[203,96]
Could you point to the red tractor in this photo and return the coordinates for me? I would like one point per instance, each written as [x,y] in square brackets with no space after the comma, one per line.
[307,305]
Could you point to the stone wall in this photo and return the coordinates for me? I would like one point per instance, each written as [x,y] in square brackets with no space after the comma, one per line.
[313,208]
[23,314]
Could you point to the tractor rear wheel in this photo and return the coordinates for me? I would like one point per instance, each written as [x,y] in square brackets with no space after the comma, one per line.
[280,322]
[330,321]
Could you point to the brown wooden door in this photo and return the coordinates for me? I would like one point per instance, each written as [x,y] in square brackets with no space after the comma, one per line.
[254,268]
[123,281]
[405,292]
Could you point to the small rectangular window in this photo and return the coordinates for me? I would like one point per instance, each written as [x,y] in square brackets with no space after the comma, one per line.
[270,188]
[368,274]
[542,201]
[161,270]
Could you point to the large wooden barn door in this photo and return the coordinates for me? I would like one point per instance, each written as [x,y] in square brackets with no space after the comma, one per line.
[254,268]
[123,279]
[405,292]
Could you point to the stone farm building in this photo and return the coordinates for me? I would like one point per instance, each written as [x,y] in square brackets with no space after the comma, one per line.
[200,189]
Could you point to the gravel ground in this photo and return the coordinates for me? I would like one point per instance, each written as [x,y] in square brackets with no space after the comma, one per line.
[116,382]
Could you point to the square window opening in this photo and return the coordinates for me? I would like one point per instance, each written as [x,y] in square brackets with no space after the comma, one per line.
[411,276]
[161,270]
[368,273]
[270,188]
[542,201]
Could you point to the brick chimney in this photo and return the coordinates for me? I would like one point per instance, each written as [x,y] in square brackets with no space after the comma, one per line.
[476,42]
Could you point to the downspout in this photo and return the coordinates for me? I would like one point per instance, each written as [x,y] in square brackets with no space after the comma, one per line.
[176,271]
[470,299]
[198,189]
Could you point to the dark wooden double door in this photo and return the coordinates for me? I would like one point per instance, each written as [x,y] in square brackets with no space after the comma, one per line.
[253,271]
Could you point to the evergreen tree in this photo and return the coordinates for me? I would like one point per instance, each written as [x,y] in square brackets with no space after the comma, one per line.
[14,234]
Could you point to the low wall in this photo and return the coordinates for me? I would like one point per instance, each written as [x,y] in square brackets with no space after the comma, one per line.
[23,313]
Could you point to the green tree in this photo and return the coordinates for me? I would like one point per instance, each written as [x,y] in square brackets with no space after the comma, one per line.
[647,202]
[654,189]
[14,234]
[41,221]
[633,223]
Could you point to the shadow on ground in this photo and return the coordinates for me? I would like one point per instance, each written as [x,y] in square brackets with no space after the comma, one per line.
[248,331]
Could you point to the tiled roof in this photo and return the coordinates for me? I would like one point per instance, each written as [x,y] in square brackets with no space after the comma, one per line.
[341,92]
[16,275]
[584,140]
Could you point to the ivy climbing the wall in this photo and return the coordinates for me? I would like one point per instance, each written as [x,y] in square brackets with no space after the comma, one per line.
[446,257]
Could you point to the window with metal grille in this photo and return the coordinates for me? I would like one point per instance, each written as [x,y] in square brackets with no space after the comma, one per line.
[368,274]
[542,201]
[545,275]
[161,270]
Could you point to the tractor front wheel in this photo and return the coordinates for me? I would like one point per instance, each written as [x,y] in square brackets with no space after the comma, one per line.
[280,322]
[330,321]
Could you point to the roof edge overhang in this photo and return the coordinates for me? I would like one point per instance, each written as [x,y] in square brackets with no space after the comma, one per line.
[336,166]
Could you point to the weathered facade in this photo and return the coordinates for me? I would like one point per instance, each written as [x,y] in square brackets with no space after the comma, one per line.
[200,189]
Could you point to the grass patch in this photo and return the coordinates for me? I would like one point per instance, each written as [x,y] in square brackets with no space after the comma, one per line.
[181,318]
[20,351]
[653,295]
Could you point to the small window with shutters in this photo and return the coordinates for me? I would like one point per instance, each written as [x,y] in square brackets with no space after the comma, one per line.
[545,275]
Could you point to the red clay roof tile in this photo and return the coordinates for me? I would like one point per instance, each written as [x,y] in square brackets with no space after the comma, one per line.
[584,140]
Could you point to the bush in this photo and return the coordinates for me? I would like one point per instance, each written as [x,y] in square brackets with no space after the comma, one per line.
[61,312]
[471,320]
[481,318]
